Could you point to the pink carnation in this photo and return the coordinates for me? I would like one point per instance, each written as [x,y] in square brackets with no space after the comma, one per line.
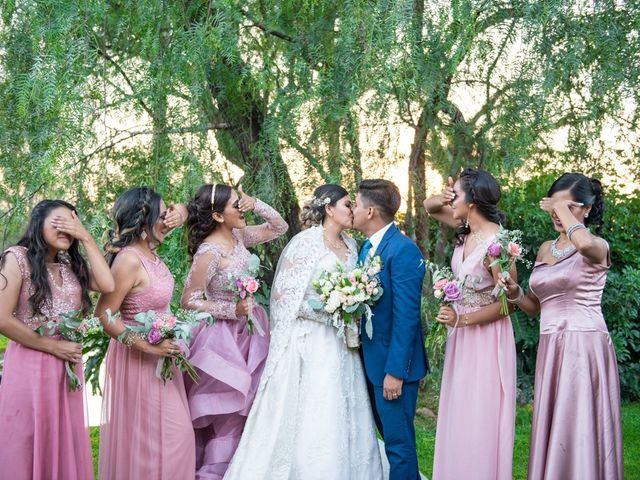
[515,250]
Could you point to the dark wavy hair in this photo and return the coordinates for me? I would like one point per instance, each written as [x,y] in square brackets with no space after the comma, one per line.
[585,190]
[200,222]
[314,211]
[483,190]
[37,250]
[135,210]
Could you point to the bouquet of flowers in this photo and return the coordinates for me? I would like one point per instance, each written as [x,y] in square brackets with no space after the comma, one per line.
[348,296]
[245,286]
[504,251]
[75,328]
[157,327]
[445,286]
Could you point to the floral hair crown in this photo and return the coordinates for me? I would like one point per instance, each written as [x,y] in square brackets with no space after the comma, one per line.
[320,202]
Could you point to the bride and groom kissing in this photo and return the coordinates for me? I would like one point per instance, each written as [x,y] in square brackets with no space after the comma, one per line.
[318,403]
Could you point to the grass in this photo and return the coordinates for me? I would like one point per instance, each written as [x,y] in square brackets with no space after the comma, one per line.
[426,435]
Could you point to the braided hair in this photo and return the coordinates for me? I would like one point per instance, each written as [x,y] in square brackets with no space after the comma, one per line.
[135,211]
[200,222]
[481,189]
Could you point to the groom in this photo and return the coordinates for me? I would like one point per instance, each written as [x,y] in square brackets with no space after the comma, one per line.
[394,359]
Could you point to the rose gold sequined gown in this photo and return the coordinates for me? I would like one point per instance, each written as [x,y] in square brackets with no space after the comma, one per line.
[43,434]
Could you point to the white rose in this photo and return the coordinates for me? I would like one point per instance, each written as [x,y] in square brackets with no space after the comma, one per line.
[438,294]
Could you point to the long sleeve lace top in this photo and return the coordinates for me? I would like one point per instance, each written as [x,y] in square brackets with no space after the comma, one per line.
[207,287]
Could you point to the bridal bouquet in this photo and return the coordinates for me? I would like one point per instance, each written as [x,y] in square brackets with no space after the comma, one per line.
[245,286]
[75,328]
[348,296]
[156,327]
[504,251]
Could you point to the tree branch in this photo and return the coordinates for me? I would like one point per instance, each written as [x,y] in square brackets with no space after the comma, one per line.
[311,159]
[266,29]
[113,143]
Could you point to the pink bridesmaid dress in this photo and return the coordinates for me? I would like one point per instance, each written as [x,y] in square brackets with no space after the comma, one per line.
[43,433]
[576,433]
[146,429]
[229,360]
[476,414]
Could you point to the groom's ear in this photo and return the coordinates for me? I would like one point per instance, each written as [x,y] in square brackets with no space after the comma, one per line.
[371,210]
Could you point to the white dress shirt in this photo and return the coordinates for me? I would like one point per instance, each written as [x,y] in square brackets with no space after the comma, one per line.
[376,238]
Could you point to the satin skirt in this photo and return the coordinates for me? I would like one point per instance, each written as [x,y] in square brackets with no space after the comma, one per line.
[576,432]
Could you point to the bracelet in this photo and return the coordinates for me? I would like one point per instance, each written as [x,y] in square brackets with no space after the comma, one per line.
[129,337]
[518,299]
[573,228]
[466,319]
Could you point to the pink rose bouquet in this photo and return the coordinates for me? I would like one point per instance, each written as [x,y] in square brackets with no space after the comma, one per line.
[445,286]
[156,327]
[245,286]
[504,252]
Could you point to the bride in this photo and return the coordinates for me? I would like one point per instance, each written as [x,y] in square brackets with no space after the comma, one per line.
[311,418]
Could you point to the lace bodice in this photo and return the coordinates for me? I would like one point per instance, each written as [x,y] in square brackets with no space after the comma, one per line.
[207,287]
[66,294]
[157,296]
[478,280]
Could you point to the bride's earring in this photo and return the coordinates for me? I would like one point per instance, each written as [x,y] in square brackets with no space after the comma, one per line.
[586,215]
[143,235]
[466,223]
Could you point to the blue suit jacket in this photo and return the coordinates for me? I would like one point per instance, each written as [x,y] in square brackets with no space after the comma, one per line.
[397,346]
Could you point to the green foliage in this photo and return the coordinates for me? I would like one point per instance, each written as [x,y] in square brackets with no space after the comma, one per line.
[621,298]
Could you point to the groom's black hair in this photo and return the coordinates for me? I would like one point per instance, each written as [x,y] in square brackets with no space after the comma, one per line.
[383,194]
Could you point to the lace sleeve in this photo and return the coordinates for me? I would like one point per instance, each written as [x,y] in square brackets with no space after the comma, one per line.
[293,274]
[194,296]
[275,226]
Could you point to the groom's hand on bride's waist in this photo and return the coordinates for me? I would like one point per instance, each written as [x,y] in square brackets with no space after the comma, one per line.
[391,387]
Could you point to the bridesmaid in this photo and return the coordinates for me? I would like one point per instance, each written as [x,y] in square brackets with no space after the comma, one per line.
[476,414]
[576,431]
[229,360]
[44,435]
[146,430]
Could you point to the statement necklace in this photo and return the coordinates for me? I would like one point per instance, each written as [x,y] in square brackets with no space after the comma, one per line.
[557,253]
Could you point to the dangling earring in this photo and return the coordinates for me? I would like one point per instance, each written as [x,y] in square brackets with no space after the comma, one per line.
[586,215]
[466,223]
[143,235]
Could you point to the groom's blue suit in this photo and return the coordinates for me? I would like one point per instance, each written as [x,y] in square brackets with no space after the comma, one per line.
[397,349]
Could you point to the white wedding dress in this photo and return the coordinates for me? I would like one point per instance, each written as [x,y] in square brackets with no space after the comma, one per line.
[311,418]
